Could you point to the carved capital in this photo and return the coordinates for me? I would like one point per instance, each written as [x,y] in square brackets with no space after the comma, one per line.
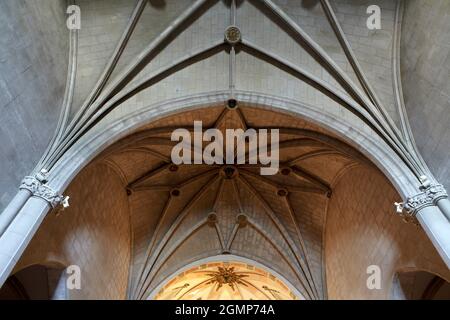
[429,196]
[37,187]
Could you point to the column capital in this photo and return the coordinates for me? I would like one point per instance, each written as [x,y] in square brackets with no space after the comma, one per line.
[430,195]
[37,186]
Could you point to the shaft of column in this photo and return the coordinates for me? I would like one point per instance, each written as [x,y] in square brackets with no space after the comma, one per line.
[437,227]
[19,234]
[13,208]
[444,205]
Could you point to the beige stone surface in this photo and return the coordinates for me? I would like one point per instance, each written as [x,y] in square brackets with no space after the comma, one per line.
[34,56]
[94,234]
[362,230]
[425,53]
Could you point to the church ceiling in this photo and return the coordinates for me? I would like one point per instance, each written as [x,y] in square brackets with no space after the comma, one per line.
[231,64]
[281,48]
[300,50]
[184,213]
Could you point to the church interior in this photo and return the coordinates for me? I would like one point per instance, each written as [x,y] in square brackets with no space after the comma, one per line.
[93,205]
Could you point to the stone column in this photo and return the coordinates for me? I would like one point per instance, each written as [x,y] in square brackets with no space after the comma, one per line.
[444,205]
[13,208]
[31,185]
[19,234]
[437,227]
[426,208]
[38,199]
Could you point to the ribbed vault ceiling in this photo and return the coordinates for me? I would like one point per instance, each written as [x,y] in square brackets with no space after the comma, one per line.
[184,213]
[181,214]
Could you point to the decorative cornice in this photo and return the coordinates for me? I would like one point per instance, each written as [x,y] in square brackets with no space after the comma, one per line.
[37,186]
[430,195]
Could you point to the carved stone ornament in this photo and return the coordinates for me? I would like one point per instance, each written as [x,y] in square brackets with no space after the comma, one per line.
[232,35]
[35,185]
[226,276]
[429,197]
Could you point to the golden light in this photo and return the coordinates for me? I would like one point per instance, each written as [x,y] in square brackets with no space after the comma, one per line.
[225,281]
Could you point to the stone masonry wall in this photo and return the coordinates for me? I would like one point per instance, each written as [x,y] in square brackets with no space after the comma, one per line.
[34,55]
[94,233]
[425,66]
[362,229]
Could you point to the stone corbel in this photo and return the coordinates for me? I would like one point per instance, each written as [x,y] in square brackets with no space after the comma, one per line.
[430,195]
[37,186]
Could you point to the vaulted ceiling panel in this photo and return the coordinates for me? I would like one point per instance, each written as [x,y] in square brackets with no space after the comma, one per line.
[155,17]
[373,48]
[102,25]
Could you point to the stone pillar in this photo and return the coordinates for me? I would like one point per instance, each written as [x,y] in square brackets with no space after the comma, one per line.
[425,207]
[38,199]
[30,186]
[19,234]
[437,227]
[444,205]
[13,208]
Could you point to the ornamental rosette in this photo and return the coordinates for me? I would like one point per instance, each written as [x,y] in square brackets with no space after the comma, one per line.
[233,35]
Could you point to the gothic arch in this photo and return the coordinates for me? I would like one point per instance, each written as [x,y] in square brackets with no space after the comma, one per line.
[363,140]
[419,284]
[226,258]
[40,281]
